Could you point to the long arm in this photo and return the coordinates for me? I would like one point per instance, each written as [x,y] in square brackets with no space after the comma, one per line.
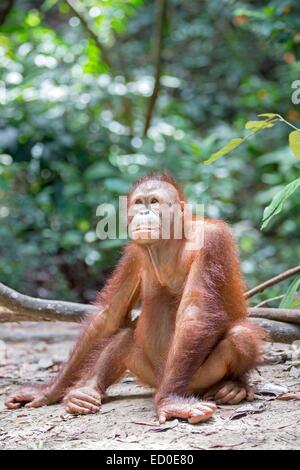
[213,296]
[115,301]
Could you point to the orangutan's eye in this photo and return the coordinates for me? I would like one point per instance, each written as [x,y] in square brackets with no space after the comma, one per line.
[154,201]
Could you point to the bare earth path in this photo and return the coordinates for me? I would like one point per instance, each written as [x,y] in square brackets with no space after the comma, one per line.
[32,352]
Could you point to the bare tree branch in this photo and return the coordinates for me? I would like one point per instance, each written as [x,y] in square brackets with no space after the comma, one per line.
[272,281]
[5,7]
[17,307]
[280,314]
[279,332]
[22,307]
[114,68]
[75,10]
[158,43]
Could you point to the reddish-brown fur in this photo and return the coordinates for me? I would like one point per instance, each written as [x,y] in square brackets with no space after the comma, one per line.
[192,335]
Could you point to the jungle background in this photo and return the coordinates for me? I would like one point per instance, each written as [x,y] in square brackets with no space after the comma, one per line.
[94,94]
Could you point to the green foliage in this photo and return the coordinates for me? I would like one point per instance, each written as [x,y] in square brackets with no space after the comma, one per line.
[280,198]
[71,129]
[278,201]
[232,144]
[287,301]
[254,127]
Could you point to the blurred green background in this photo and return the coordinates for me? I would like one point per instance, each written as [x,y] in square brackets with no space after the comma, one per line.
[75,89]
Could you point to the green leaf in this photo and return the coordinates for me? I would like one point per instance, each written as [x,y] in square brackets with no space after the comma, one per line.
[278,201]
[250,13]
[258,125]
[296,302]
[287,301]
[232,144]
[269,115]
[94,63]
[33,18]
[294,141]
[269,10]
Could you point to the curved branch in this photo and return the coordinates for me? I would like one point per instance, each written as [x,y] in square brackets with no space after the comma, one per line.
[114,68]
[23,307]
[5,9]
[272,281]
[158,42]
[74,8]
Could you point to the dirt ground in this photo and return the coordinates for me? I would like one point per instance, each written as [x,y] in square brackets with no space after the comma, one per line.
[32,352]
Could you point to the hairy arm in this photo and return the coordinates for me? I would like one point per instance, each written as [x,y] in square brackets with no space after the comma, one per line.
[205,310]
[115,301]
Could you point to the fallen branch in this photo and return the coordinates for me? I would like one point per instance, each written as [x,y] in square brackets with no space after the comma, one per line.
[17,307]
[279,332]
[158,42]
[279,314]
[22,307]
[272,281]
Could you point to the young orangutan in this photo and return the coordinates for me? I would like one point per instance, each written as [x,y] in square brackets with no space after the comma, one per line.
[192,338]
